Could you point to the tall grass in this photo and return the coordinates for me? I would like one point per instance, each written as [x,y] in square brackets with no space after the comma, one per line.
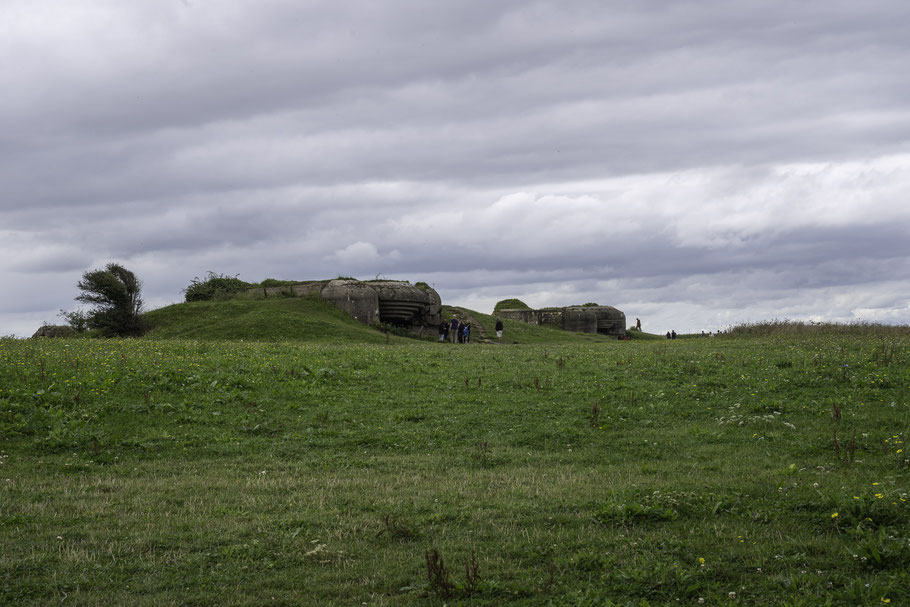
[801,328]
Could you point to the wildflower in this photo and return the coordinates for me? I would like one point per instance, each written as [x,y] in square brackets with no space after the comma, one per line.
[835,515]
[879,495]
[701,560]
[731,595]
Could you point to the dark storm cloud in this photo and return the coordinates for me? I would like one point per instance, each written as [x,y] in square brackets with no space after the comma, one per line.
[713,154]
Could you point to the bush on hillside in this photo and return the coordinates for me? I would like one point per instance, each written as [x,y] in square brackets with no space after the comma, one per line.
[78,320]
[116,295]
[215,286]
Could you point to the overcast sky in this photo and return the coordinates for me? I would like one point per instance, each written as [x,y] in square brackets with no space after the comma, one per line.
[696,164]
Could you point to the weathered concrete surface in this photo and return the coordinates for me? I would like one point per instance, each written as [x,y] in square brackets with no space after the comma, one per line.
[526,316]
[580,320]
[54,331]
[610,321]
[308,288]
[355,298]
[605,320]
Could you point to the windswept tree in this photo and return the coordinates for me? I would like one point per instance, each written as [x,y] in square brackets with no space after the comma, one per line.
[116,294]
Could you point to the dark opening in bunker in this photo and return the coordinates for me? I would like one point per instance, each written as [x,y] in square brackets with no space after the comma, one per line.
[399,312]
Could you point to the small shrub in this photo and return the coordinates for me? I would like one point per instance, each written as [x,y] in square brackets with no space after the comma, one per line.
[594,415]
[471,574]
[215,286]
[438,575]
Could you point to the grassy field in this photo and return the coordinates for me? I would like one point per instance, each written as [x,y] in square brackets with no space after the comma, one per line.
[752,470]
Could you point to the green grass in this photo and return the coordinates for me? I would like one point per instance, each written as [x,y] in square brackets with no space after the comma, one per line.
[166,472]
[511,304]
[282,319]
[311,319]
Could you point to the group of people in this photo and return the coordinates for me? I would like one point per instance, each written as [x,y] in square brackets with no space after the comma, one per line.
[460,331]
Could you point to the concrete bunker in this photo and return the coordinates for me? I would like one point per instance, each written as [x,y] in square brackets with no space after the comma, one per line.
[395,302]
[603,320]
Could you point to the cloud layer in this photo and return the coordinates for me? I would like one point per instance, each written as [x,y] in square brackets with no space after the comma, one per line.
[694,164]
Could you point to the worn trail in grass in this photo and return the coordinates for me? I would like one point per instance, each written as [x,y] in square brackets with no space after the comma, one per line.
[181,472]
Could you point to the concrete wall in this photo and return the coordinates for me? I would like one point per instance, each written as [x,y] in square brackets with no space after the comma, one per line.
[580,320]
[355,298]
[526,316]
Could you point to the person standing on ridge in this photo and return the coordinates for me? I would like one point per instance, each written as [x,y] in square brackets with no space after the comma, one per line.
[499,329]
[454,330]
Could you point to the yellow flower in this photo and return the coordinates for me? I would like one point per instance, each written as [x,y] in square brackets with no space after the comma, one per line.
[701,560]
[835,515]
[879,495]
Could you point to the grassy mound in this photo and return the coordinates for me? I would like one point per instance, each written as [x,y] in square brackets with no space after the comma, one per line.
[312,319]
[283,319]
[511,304]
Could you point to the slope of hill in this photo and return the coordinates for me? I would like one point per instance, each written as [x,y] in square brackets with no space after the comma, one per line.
[282,319]
[315,320]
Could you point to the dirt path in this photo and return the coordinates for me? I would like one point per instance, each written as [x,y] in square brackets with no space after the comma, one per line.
[477,330]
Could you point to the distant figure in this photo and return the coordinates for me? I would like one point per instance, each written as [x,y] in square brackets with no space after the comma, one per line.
[638,324]
[668,335]
[703,334]
[454,331]
[442,331]
[499,329]
[673,334]
[466,333]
